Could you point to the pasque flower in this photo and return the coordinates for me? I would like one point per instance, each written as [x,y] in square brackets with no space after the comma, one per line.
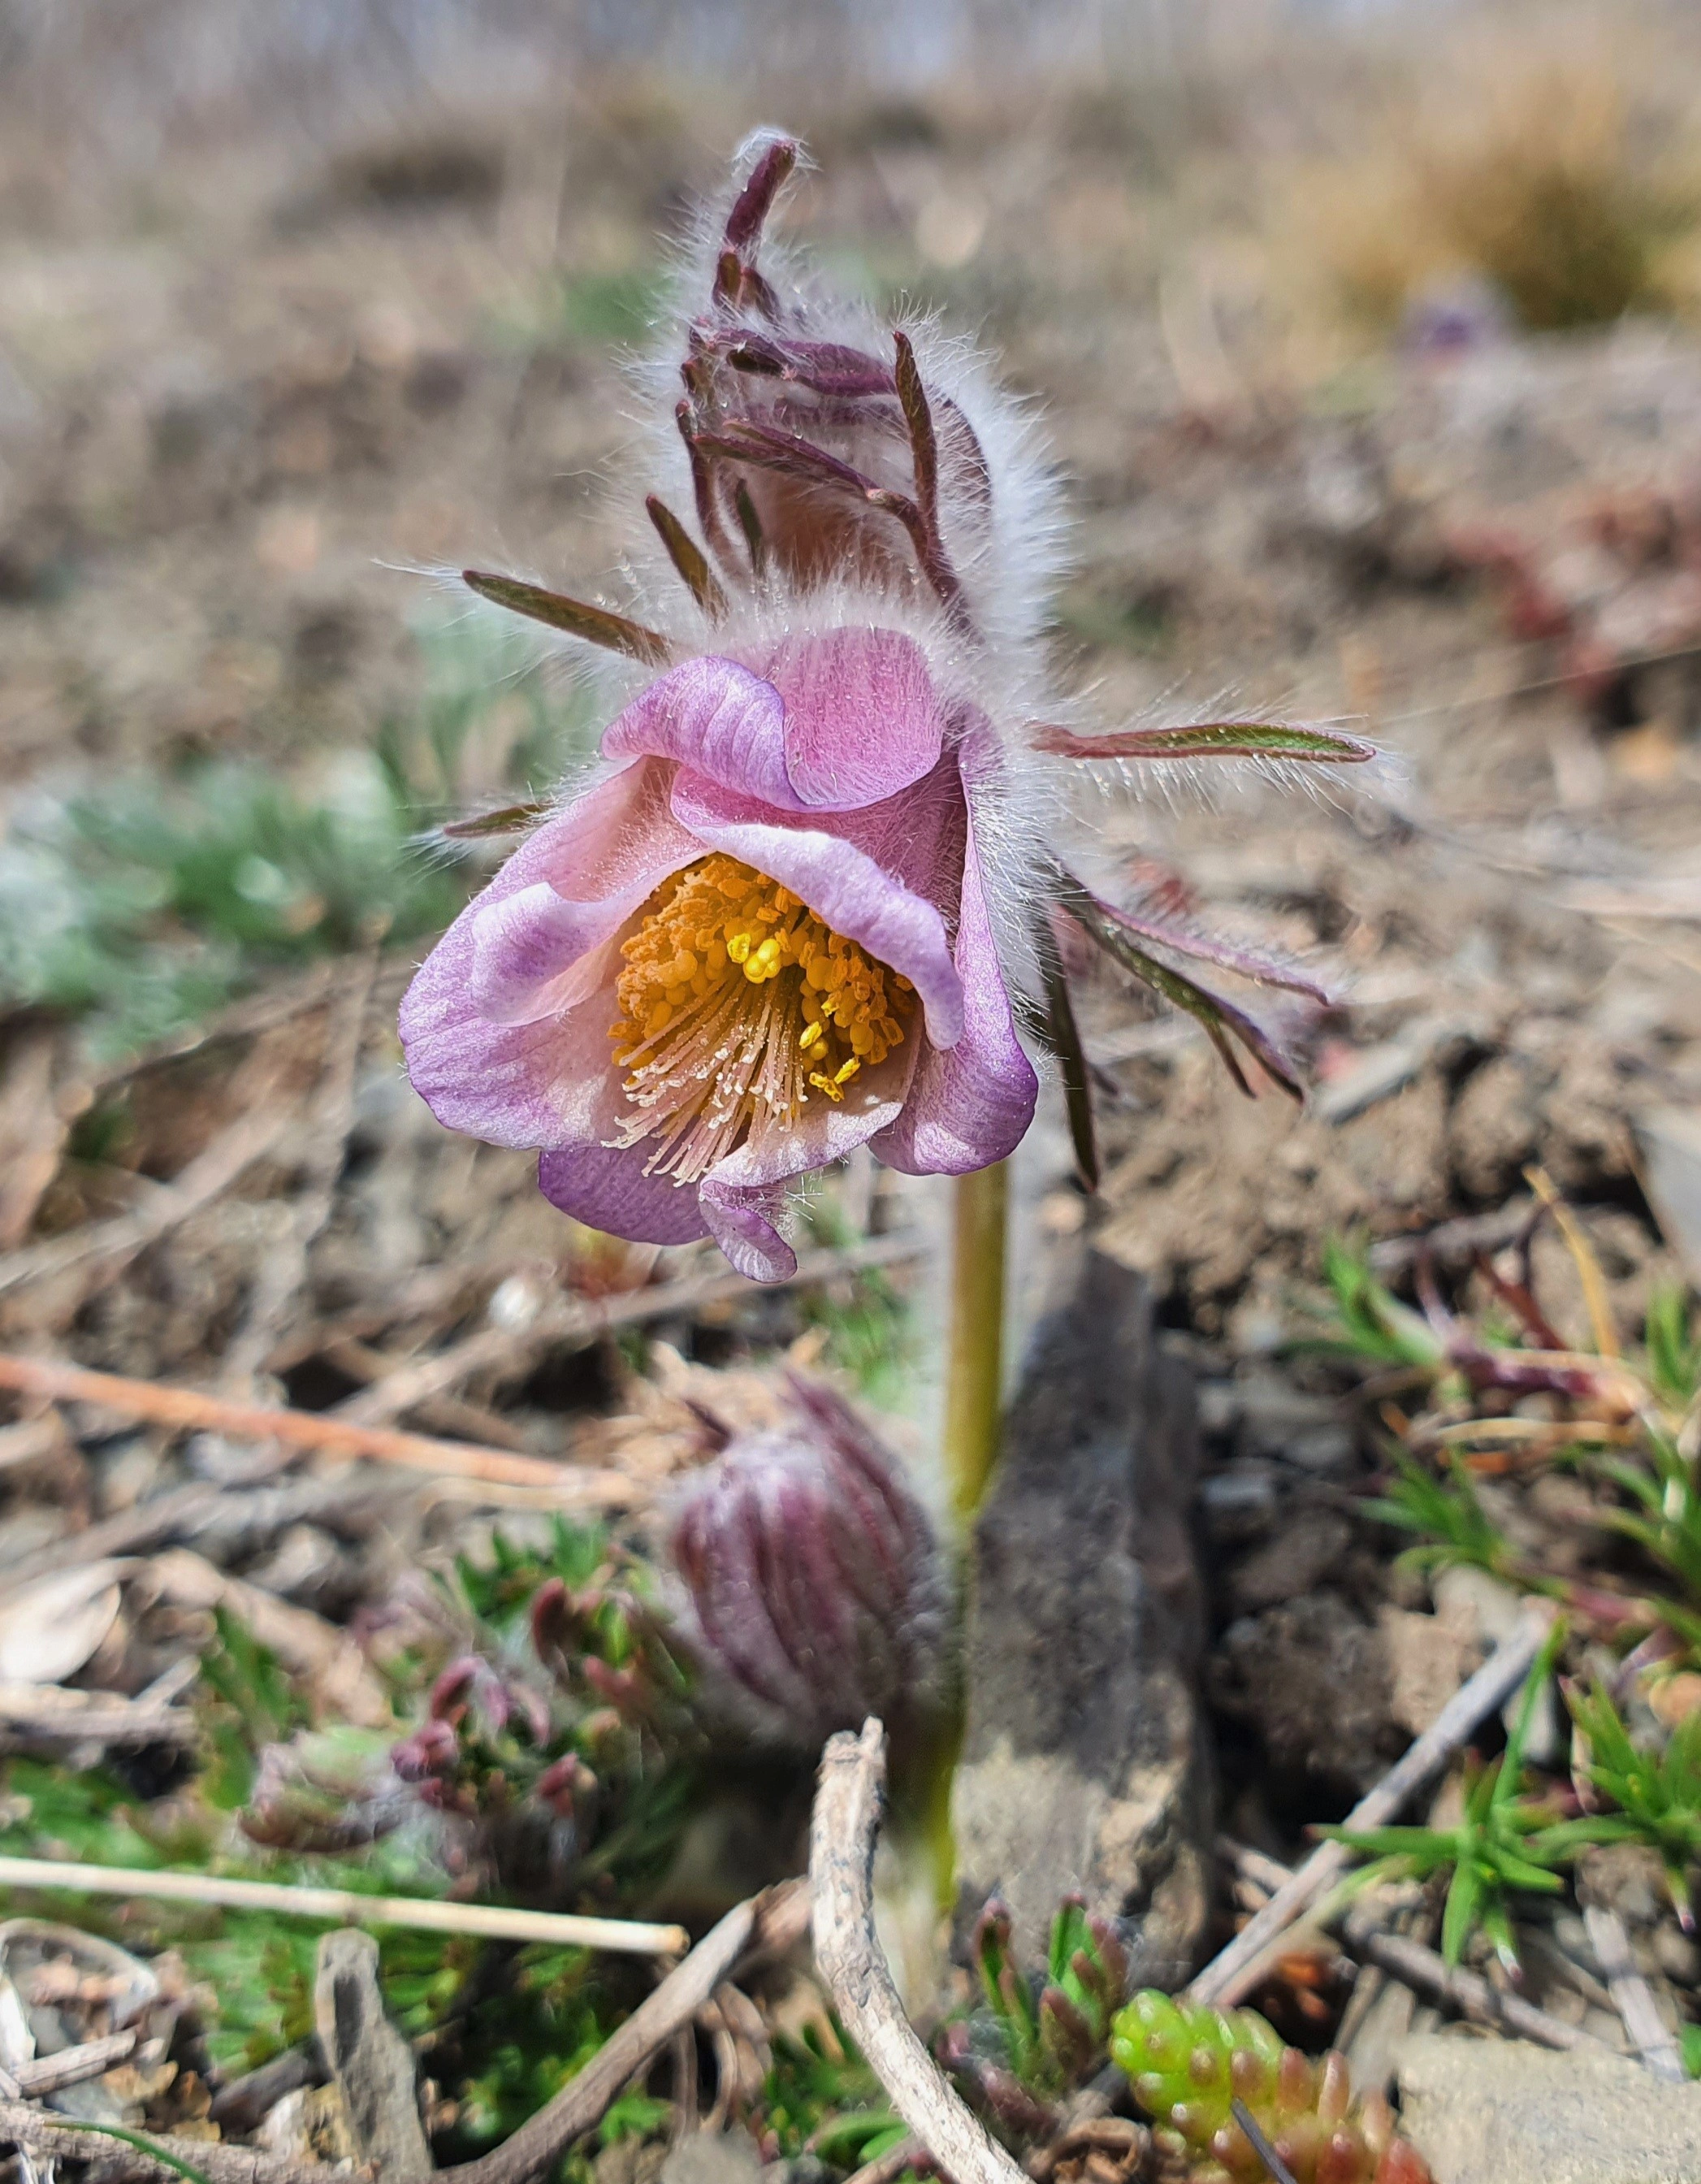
[807,900]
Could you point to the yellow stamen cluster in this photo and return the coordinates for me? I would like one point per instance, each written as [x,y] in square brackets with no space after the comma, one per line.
[736,1001]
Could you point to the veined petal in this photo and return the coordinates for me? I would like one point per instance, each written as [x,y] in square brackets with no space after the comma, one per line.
[743,1223]
[970,1105]
[493,1043]
[876,878]
[718,720]
[862,717]
[843,719]
[605,1187]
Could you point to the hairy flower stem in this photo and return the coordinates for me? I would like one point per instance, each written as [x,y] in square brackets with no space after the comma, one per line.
[973,1389]
[973,1407]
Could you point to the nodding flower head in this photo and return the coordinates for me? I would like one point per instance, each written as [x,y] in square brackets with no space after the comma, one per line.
[807,900]
[817,1594]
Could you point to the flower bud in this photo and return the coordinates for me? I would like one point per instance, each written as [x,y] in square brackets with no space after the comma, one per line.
[816,1588]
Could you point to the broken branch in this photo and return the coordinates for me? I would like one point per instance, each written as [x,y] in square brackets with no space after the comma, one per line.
[842,1839]
[191,1410]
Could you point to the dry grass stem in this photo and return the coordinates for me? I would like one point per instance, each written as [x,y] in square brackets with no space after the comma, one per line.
[1632,1997]
[567,1929]
[766,1925]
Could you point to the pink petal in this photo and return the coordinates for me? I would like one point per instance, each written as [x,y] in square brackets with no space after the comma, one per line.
[527,948]
[972,1104]
[716,718]
[844,720]
[854,879]
[862,717]
[607,1189]
[742,1223]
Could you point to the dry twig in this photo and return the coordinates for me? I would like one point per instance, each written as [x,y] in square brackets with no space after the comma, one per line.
[580,1321]
[1408,1960]
[42,2132]
[72,2066]
[324,1433]
[1235,1970]
[886,2168]
[1468,1992]
[842,1838]
[104,1251]
[34,1713]
[1632,1997]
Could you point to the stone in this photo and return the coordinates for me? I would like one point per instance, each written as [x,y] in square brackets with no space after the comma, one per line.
[371,2063]
[1310,1679]
[719,2157]
[1506,2112]
[1084,1763]
[1428,1660]
[1307,1550]
[1670,1142]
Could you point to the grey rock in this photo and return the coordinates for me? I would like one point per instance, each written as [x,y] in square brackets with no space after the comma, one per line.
[371,2063]
[1311,1679]
[727,2157]
[1084,1765]
[1301,1556]
[1504,2111]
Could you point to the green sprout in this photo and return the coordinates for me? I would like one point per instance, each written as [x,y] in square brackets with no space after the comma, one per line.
[1370,1324]
[1657,1794]
[1668,1523]
[1502,1841]
[1210,2078]
[1674,1348]
[1455,1529]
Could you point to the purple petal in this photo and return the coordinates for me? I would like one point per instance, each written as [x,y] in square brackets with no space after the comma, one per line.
[741,1222]
[844,720]
[862,717]
[971,1104]
[717,719]
[531,1079]
[861,894]
[606,1188]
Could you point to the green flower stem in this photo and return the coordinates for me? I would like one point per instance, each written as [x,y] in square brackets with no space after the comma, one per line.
[974,1391]
[973,1377]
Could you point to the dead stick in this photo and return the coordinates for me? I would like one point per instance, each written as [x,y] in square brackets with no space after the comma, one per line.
[1420,1967]
[842,1839]
[1230,1973]
[630,1936]
[580,1321]
[43,2132]
[38,1713]
[190,1409]
[1632,1997]
[113,1244]
[770,1924]
[1468,1994]
[72,2066]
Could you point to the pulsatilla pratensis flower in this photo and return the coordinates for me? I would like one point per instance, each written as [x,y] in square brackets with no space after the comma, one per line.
[817,1592]
[807,902]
